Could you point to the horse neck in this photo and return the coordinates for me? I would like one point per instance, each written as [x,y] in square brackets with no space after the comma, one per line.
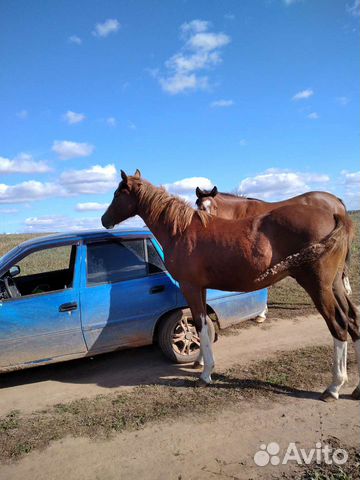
[241,207]
[231,206]
[161,231]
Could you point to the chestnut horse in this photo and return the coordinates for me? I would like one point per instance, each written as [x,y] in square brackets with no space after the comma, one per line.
[203,251]
[235,207]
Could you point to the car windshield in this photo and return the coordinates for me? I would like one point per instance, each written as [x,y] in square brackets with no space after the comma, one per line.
[8,256]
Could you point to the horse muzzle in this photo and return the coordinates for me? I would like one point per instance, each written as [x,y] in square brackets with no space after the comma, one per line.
[106,224]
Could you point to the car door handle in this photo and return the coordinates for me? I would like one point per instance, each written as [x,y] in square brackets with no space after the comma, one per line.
[68,307]
[157,289]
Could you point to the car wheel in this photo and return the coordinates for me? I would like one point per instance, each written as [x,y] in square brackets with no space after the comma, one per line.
[178,338]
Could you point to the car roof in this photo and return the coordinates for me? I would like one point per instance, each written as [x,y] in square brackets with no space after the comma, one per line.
[85,235]
[64,238]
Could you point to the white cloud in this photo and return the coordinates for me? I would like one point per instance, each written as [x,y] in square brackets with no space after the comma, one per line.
[23,163]
[104,29]
[313,116]
[91,207]
[342,101]
[23,114]
[93,180]
[30,190]
[194,26]
[200,51]
[67,149]
[243,142]
[222,103]
[291,2]
[8,211]
[276,184]
[111,121]
[303,94]
[75,39]
[185,188]
[351,183]
[351,178]
[207,41]
[60,223]
[354,8]
[73,117]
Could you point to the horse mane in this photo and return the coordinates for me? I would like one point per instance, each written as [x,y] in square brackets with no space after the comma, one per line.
[177,213]
[239,195]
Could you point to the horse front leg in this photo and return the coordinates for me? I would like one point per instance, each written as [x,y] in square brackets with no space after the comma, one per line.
[196,300]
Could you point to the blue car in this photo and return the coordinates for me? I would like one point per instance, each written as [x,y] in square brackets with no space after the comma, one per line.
[74,295]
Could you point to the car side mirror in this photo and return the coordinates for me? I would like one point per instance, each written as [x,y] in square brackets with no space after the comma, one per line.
[14,271]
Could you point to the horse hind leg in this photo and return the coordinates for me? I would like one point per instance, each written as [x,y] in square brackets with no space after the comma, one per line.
[347,285]
[319,287]
[353,315]
[345,273]
[354,331]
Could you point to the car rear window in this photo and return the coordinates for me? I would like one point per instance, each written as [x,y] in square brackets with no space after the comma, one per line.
[115,261]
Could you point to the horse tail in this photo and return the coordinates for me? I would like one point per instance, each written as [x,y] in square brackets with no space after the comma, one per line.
[351,235]
[340,238]
[346,270]
[337,240]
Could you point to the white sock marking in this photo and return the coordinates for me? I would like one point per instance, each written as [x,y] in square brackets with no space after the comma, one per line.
[200,359]
[206,351]
[347,285]
[263,313]
[339,368]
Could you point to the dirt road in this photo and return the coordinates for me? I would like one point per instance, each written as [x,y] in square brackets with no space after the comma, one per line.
[219,445]
[36,388]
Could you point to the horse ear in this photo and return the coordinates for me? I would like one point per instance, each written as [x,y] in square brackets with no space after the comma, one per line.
[137,174]
[124,177]
[214,192]
[199,192]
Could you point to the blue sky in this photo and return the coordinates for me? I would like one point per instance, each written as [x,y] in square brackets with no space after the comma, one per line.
[256,96]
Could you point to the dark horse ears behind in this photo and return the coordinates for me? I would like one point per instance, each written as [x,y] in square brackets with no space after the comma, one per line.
[204,193]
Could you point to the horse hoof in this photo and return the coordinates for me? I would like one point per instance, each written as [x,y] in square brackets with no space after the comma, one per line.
[197,365]
[201,383]
[327,397]
[260,319]
[356,393]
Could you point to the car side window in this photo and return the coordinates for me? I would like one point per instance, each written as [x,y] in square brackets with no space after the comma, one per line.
[46,270]
[115,261]
[155,263]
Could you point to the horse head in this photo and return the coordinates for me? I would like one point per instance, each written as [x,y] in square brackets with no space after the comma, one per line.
[206,200]
[125,202]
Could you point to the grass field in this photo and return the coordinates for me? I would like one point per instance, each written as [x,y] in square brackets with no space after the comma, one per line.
[283,296]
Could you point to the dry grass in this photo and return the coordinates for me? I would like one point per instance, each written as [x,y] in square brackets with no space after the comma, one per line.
[348,471]
[288,373]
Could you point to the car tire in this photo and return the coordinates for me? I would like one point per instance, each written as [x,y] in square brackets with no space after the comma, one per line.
[178,338]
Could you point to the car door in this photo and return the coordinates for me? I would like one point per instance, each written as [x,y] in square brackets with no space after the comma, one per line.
[126,290]
[44,322]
